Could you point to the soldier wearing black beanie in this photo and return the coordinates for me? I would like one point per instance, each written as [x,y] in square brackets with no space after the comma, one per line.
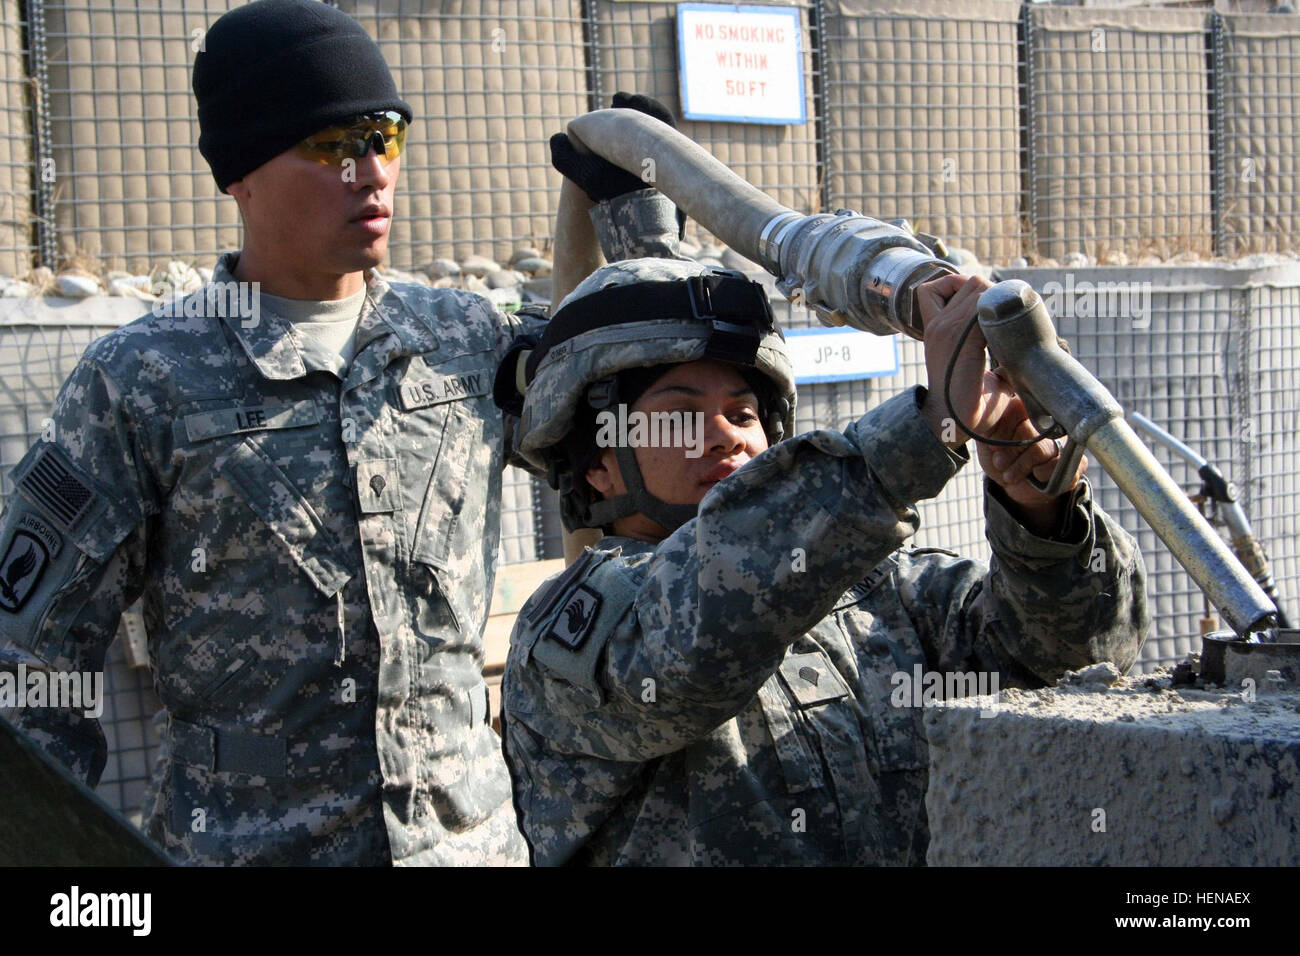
[323,446]
[312,520]
[273,72]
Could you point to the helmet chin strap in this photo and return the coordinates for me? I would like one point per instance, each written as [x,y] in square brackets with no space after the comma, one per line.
[637,500]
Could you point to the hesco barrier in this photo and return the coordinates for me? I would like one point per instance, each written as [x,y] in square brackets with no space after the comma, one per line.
[489,82]
[924,117]
[1120,158]
[130,187]
[17,169]
[1009,128]
[1257,62]
[634,47]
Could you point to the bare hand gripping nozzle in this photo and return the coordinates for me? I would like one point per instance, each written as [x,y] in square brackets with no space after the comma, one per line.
[862,272]
[1022,340]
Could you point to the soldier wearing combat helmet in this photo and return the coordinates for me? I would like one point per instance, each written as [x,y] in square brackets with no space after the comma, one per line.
[714,683]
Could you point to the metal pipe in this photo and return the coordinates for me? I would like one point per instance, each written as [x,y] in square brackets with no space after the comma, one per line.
[854,270]
[1161,501]
[848,269]
[1224,495]
[1160,435]
[1022,337]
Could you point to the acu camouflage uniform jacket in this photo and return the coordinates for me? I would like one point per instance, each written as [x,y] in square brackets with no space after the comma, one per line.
[316,548]
[725,697]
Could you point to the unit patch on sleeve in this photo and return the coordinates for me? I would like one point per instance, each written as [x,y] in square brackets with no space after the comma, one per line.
[575,620]
[545,603]
[21,568]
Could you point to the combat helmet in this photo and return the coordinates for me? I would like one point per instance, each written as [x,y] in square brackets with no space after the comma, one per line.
[628,316]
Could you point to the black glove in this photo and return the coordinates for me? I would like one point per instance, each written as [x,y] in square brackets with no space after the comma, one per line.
[598,177]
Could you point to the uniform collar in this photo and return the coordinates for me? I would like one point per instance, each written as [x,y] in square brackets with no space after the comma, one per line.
[396,310]
[629,546]
[270,344]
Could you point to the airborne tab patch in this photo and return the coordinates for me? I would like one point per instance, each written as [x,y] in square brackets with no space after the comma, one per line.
[575,620]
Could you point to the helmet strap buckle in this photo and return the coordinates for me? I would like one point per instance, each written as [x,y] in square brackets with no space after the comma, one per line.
[736,309]
[600,394]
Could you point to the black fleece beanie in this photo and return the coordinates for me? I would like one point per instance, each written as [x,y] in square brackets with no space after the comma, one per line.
[273,72]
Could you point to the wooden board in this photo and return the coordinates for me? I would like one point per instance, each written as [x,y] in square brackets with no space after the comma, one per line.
[515,585]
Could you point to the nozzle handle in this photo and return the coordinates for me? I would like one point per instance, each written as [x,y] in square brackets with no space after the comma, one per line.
[1066,466]
[1022,339]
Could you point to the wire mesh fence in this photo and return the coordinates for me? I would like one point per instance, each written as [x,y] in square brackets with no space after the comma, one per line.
[17,169]
[489,82]
[924,119]
[1005,131]
[955,519]
[1119,163]
[1008,129]
[130,188]
[1208,354]
[634,48]
[1269,431]
[1257,116]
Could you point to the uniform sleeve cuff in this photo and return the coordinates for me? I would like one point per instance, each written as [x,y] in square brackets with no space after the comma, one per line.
[635,225]
[1073,534]
[907,457]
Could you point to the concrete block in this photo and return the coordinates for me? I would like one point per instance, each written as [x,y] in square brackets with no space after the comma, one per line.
[52,310]
[1131,774]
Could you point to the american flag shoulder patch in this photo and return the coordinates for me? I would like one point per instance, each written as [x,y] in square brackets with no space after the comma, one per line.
[53,485]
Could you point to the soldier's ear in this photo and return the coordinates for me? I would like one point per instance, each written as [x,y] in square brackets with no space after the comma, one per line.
[604,475]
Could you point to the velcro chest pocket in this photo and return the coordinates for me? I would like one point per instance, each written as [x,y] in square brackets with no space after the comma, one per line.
[449,450]
[441,409]
[269,493]
[890,668]
[802,681]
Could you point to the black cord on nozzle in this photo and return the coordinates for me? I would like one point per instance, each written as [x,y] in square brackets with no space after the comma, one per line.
[1054,432]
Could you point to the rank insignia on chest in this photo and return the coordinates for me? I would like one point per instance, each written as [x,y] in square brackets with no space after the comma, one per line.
[576,618]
